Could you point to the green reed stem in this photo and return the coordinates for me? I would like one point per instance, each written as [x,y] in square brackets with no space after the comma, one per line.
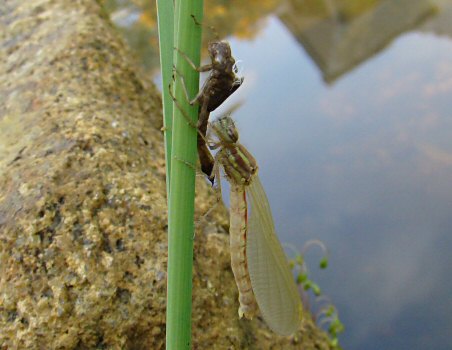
[165,17]
[182,179]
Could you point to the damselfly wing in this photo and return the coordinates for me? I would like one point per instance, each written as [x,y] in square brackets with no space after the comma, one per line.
[260,254]
[270,274]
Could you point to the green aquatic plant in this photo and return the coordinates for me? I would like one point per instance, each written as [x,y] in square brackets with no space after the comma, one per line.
[327,314]
[177,29]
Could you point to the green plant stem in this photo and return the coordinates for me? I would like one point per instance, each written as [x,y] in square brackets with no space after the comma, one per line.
[182,180]
[165,16]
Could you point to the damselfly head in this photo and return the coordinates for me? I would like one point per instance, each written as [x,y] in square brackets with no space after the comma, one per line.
[220,52]
[225,129]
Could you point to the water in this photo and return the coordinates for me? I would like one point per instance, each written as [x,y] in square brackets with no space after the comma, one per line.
[348,113]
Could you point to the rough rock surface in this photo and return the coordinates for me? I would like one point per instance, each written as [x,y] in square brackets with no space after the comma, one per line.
[83,233]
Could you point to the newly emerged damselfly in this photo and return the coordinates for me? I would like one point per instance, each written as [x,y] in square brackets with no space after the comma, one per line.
[258,261]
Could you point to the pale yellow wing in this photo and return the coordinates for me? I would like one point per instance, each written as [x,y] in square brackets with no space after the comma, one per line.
[271,278]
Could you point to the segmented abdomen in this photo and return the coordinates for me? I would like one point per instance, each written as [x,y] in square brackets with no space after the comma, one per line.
[237,233]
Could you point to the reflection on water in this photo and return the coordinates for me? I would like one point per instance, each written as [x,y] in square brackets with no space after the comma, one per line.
[138,23]
[341,34]
[366,162]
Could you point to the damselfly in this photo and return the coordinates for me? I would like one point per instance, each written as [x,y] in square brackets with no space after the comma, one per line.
[258,261]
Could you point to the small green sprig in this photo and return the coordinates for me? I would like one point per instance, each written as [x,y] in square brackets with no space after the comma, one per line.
[327,315]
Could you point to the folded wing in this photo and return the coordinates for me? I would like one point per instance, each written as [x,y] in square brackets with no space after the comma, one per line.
[271,278]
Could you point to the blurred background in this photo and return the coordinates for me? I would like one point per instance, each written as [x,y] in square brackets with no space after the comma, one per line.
[347,109]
